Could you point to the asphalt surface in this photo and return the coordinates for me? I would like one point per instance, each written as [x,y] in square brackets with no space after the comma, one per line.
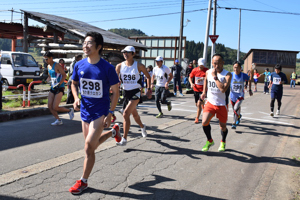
[40,161]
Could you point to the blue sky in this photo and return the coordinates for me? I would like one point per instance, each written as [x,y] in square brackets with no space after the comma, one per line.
[259,30]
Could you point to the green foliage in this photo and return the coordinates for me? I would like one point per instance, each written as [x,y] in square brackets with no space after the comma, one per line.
[127,32]
[194,51]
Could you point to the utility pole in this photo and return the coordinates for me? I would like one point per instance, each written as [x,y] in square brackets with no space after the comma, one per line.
[238,50]
[25,33]
[213,49]
[207,31]
[181,32]
[12,15]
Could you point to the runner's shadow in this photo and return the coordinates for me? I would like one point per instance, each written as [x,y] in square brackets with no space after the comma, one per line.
[2,197]
[260,128]
[177,150]
[152,192]
[229,153]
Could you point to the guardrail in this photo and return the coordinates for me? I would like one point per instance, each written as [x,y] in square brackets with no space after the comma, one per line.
[29,91]
[17,87]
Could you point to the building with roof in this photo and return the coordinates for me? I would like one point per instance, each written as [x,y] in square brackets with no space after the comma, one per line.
[265,58]
[167,47]
[52,36]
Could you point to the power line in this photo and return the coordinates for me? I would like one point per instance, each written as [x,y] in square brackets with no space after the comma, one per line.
[269,5]
[265,11]
[156,15]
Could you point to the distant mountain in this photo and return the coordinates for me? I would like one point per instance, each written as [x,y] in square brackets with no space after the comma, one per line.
[127,32]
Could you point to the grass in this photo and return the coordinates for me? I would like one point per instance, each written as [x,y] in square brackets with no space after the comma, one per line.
[16,103]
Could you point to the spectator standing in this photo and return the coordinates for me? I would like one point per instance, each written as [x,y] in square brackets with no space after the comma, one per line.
[188,70]
[256,75]
[293,79]
[176,71]
[63,65]
[194,64]
[266,80]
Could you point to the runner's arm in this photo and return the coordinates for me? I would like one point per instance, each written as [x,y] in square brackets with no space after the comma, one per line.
[62,72]
[203,95]
[142,68]
[115,96]
[224,86]
[74,87]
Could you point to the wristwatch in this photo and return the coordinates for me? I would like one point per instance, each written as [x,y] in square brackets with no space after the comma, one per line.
[112,112]
[216,78]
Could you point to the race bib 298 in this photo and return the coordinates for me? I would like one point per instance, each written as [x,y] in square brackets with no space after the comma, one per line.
[91,88]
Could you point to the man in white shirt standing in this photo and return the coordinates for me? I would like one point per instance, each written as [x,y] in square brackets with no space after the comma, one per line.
[163,76]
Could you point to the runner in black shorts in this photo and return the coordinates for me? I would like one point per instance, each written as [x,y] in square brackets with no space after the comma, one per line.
[129,72]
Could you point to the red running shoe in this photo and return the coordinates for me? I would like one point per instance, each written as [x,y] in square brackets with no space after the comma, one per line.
[78,187]
[117,136]
[113,119]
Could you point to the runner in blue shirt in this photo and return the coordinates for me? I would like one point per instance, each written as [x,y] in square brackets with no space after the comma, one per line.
[277,80]
[237,92]
[94,76]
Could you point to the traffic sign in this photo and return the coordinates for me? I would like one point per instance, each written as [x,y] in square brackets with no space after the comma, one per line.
[213,38]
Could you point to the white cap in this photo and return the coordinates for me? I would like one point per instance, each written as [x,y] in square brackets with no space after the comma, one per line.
[159,58]
[128,49]
[201,61]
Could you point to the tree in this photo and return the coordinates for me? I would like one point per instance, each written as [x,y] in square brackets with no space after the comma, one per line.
[127,32]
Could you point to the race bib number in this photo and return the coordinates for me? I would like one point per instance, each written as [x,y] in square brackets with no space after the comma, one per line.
[255,77]
[237,88]
[53,81]
[91,88]
[160,80]
[212,86]
[129,79]
[199,80]
[276,81]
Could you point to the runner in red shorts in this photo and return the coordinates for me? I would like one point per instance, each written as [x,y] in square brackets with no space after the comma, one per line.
[216,88]
[198,74]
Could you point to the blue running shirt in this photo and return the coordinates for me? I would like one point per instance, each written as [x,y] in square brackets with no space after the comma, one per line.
[276,78]
[237,85]
[94,83]
[55,77]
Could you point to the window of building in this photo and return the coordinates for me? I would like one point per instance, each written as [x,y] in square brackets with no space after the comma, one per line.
[154,53]
[168,43]
[168,53]
[161,43]
[154,43]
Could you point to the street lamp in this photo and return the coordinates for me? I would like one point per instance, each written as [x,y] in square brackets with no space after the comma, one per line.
[187,21]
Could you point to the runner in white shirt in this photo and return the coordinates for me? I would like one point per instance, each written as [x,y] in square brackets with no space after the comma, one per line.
[216,86]
[129,72]
[163,76]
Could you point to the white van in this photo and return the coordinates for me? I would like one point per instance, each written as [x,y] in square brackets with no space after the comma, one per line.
[18,68]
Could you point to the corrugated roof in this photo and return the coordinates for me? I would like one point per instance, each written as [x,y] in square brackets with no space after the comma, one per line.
[80,29]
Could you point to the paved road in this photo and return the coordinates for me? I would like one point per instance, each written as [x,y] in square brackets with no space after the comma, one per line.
[40,161]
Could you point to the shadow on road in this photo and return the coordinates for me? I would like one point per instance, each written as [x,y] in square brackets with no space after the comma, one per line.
[155,193]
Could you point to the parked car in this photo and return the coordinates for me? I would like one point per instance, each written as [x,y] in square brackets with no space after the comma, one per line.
[18,68]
